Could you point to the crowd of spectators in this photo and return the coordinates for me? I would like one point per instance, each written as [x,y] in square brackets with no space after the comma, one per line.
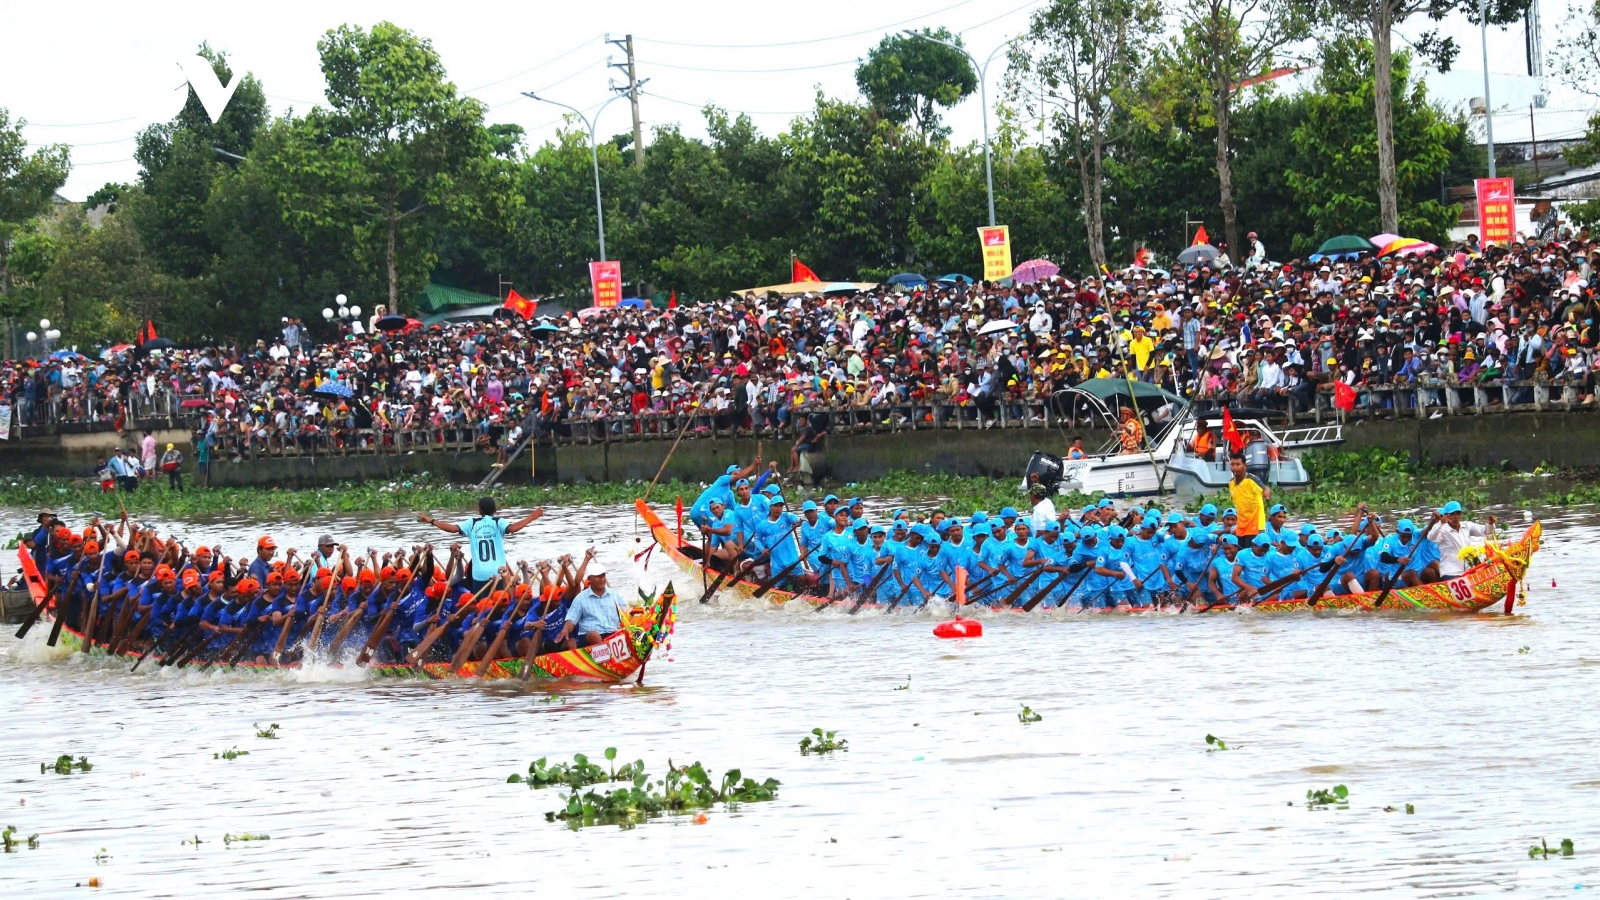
[1260,333]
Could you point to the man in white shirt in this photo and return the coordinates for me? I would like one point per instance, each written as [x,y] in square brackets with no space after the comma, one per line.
[1451,534]
[1044,509]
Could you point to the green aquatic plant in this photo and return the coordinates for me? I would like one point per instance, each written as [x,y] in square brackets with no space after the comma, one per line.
[66,765]
[228,839]
[230,755]
[680,790]
[195,842]
[10,840]
[1543,851]
[822,742]
[1524,649]
[269,733]
[1410,810]
[1320,797]
[1218,744]
[1028,716]
[904,687]
[576,774]
[553,698]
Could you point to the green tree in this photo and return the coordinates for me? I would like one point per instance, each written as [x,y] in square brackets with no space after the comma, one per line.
[1226,42]
[1336,147]
[396,151]
[1079,68]
[905,77]
[28,184]
[1380,18]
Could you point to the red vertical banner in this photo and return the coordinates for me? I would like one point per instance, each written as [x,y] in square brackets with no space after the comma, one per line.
[1497,214]
[607,280]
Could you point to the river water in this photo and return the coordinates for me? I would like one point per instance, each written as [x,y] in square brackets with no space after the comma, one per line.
[377,788]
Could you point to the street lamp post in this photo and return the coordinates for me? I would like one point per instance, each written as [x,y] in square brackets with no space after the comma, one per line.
[594,156]
[346,312]
[983,98]
[1488,105]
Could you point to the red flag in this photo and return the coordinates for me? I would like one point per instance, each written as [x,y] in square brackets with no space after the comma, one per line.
[672,300]
[521,305]
[802,272]
[148,332]
[1141,257]
[1231,431]
[1344,396]
[1200,237]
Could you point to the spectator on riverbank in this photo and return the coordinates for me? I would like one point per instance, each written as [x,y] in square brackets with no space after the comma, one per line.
[1257,336]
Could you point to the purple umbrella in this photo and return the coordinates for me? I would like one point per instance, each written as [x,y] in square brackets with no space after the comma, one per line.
[1034,270]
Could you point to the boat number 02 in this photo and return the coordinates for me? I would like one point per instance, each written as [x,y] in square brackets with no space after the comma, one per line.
[1461,590]
[615,647]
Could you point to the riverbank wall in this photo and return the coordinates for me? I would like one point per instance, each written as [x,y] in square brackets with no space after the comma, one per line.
[1519,441]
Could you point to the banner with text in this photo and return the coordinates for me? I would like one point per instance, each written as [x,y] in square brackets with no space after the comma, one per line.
[996,243]
[607,280]
[1497,214]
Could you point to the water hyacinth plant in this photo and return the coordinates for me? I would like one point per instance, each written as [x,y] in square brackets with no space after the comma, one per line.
[681,790]
[66,765]
[822,742]
[576,774]
[1322,798]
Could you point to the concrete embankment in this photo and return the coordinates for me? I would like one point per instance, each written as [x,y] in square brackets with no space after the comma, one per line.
[1519,440]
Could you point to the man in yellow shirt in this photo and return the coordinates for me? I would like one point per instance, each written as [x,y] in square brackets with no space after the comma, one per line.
[1141,346]
[1250,498]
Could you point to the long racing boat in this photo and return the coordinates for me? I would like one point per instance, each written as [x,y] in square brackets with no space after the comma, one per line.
[1495,580]
[621,655]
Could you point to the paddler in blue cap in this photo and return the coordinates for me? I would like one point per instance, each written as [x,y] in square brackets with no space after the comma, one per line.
[721,489]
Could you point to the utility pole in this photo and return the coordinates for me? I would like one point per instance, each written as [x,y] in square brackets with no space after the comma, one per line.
[626,45]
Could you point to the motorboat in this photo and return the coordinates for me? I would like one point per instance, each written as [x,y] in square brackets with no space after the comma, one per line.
[1188,455]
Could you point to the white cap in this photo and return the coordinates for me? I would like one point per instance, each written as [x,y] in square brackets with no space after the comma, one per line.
[596,570]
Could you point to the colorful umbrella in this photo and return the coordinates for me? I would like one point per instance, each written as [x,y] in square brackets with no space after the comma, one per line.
[1408,247]
[1347,243]
[1199,253]
[1034,270]
[1383,240]
[909,279]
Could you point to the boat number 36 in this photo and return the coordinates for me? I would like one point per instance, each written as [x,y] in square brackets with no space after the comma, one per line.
[1461,590]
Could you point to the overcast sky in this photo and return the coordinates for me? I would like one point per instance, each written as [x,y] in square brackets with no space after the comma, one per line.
[93,74]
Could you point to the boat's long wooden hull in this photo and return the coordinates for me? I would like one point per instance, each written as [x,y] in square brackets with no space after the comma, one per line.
[1482,586]
[621,656]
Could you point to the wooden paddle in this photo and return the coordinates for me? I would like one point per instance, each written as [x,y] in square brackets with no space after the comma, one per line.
[37,611]
[94,608]
[470,639]
[766,586]
[1022,585]
[438,631]
[249,634]
[1200,581]
[382,627]
[871,589]
[315,631]
[1038,597]
[487,662]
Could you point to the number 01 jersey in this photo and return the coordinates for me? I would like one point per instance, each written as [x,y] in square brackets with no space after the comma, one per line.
[486,542]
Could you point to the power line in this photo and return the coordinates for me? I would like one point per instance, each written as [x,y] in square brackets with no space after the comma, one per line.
[103,162]
[843,62]
[748,112]
[999,17]
[823,40]
[79,124]
[123,140]
[579,46]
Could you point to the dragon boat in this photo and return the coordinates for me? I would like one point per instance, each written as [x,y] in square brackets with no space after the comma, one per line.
[620,656]
[1496,579]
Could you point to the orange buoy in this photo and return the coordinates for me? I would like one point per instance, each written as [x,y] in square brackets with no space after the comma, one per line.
[959,628]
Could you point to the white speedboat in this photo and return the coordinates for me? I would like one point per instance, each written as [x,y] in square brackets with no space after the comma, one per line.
[1188,457]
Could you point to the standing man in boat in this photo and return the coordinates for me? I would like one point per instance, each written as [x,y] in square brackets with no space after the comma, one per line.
[1452,535]
[1250,498]
[485,534]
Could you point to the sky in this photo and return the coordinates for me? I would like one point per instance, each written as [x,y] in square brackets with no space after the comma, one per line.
[94,74]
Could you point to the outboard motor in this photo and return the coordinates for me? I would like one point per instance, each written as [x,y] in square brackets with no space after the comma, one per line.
[1257,459]
[1047,466]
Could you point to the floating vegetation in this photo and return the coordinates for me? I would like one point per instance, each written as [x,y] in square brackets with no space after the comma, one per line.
[822,742]
[1524,649]
[1218,744]
[65,765]
[229,839]
[1028,715]
[683,789]
[10,840]
[1543,850]
[904,687]
[1410,810]
[576,774]
[553,698]
[230,755]
[1320,798]
[270,732]
[192,843]
[101,859]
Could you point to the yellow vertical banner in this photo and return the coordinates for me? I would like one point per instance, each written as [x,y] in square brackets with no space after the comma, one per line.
[995,241]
